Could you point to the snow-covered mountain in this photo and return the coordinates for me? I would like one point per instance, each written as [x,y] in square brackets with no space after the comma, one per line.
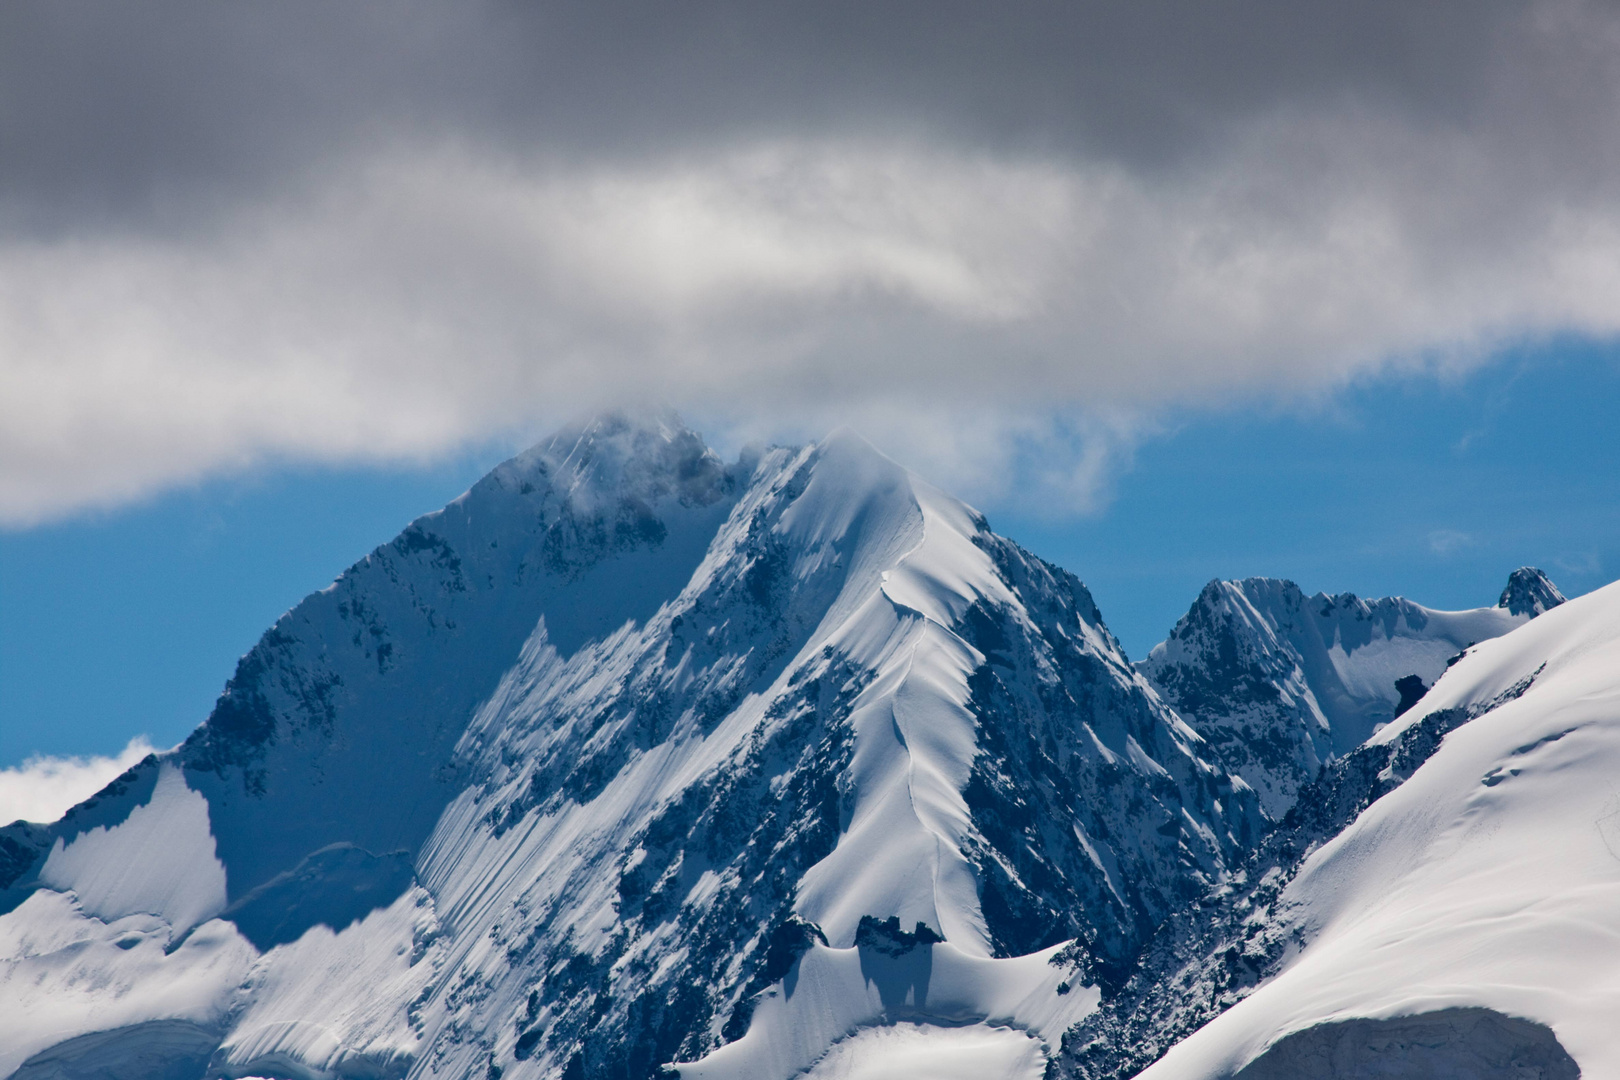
[1280,682]
[633,762]
[631,757]
[1467,922]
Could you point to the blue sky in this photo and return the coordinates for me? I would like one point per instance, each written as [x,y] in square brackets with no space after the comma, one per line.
[128,622]
[1432,490]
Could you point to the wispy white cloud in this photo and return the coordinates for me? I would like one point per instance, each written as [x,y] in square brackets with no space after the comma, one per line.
[1584,563]
[42,789]
[1445,542]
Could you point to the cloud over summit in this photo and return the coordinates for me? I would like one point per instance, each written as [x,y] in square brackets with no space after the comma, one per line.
[358,232]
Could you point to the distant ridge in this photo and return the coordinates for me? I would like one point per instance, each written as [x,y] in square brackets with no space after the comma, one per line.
[1281,682]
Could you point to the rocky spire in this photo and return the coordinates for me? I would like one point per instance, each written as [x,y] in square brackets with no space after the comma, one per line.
[1529,592]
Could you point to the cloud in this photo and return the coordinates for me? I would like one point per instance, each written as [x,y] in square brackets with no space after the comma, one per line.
[998,259]
[1584,563]
[42,789]
[1444,542]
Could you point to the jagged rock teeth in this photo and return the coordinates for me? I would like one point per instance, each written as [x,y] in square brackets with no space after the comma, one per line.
[1280,682]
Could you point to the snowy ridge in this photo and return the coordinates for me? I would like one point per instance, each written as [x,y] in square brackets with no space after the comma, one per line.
[1281,682]
[628,755]
[1486,884]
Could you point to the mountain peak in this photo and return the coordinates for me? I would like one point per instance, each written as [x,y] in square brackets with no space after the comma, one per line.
[615,455]
[1529,592]
[1280,682]
[587,772]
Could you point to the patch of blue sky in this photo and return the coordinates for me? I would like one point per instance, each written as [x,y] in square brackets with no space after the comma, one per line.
[1434,489]
[129,622]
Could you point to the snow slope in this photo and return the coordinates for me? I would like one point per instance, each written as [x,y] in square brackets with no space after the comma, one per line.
[626,757]
[159,860]
[1280,682]
[1487,885]
[65,974]
[1007,1016]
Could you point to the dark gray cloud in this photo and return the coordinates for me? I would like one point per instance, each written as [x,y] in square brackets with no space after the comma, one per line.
[340,231]
[111,106]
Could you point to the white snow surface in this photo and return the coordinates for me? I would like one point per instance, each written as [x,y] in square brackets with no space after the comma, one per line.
[1489,878]
[839,1014]
[158,861]
[1419,643]
[337,1003]
[64,973]
[925,1052]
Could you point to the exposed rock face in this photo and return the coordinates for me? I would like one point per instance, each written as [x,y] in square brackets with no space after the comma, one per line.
[1529,592]
[1280,682]
[1451,1044]
[1073,819]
